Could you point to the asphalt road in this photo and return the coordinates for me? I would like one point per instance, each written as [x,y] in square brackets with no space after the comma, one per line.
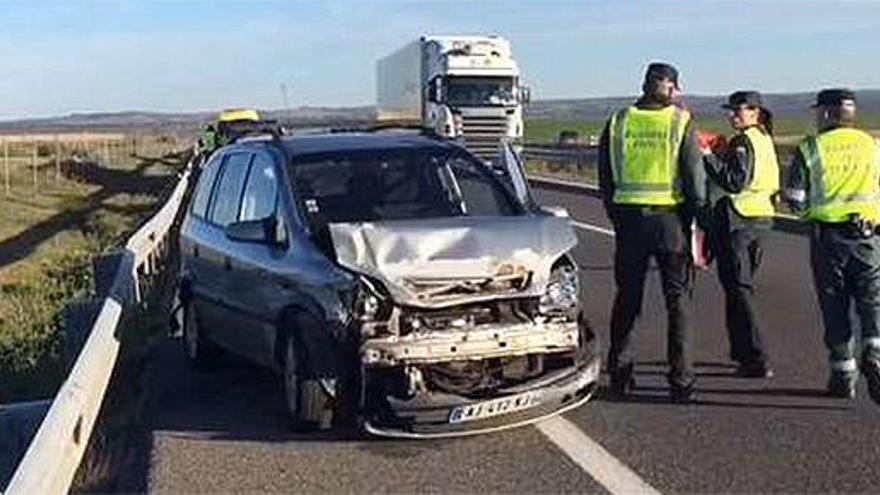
[225,431]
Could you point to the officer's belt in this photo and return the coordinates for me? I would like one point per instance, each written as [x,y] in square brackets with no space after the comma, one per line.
[649,208]
[845,229]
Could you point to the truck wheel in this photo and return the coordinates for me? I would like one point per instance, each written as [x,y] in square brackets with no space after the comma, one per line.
[308,405]
[199,352]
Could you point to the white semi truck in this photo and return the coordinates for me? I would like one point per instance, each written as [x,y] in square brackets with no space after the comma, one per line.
[465,87]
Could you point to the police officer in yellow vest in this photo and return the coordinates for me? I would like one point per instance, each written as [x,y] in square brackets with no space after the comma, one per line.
[744,180]
[653,183]
[835,183]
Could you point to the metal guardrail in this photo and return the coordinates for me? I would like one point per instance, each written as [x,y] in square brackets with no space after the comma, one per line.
[577,153]
[54,454]
[781,222]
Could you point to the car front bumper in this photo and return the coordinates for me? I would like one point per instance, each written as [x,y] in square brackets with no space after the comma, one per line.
[427,415]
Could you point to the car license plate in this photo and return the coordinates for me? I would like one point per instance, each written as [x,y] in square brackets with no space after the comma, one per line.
[494,407]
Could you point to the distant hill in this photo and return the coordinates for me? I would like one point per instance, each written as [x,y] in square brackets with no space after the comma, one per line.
[792,105]
[183,122]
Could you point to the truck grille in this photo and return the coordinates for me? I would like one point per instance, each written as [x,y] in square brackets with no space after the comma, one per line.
[482,135]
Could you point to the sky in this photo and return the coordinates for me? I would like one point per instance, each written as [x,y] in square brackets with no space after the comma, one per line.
[92,56]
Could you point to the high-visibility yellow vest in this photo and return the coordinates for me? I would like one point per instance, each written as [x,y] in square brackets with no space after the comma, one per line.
[844,165]
[644,148]
[756,199]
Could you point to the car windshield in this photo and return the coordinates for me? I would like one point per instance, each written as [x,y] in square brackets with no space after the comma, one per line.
[479,91]
[396,184]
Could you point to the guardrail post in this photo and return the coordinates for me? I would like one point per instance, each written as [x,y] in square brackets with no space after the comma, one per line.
[34,163]
[6,166]
[79,318]
[104,267]
[18,425]
[57,159]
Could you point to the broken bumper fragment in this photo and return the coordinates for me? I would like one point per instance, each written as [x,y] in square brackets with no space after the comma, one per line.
[486,342]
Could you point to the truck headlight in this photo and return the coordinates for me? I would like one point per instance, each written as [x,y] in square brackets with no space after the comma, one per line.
[458,123]
[562,291]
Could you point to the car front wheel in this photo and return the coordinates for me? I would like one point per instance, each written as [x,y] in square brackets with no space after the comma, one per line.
[308,405]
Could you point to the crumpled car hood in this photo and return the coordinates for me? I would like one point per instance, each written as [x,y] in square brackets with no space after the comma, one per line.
[441,262]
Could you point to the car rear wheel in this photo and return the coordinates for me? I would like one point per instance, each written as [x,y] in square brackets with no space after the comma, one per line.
[199,352]
[308,404]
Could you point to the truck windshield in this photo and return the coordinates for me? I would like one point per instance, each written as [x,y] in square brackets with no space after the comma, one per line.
[395,184]
[479,91]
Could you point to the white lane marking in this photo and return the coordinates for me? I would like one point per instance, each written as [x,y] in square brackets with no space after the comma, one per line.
[593,228]
[597,462]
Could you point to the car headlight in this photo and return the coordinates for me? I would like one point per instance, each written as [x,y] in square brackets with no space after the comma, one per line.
[373,309]
[369,307]
[562,292]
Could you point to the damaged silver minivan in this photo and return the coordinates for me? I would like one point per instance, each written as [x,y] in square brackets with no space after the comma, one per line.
[394,280]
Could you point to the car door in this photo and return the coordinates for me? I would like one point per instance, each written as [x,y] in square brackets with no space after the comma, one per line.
[256,269]
[199,274]
[218,252]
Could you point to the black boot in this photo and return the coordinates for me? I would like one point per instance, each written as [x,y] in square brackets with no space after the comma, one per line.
[682,394]
[871,369]
[622,381]
[753,369]
[841,386]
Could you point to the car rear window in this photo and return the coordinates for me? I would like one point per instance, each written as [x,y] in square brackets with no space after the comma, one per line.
[394,185]
[206,185]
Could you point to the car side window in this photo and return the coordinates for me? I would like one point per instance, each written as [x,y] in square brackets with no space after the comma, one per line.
[260,191]
[226,198]
[205,186]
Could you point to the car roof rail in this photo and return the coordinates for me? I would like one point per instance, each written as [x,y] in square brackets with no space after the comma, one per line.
[242,129]
[390,127]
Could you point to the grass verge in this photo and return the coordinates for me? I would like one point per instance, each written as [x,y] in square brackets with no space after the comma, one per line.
[49,231]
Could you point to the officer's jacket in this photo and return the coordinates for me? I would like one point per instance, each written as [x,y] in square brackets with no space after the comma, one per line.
[690,172]
[839,177]
[744,178]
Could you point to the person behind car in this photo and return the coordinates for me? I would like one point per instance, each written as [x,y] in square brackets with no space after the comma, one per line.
[653,184]
[745,177]
[835,183]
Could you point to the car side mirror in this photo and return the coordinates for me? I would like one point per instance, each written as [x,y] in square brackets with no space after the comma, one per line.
[270,231]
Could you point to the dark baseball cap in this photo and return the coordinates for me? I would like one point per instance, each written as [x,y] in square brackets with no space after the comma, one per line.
[747,98]
[834,97]
[657,70]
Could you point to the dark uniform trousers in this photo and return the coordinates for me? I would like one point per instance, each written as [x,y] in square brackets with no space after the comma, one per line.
[738,252]
[642,234]
[846,269]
